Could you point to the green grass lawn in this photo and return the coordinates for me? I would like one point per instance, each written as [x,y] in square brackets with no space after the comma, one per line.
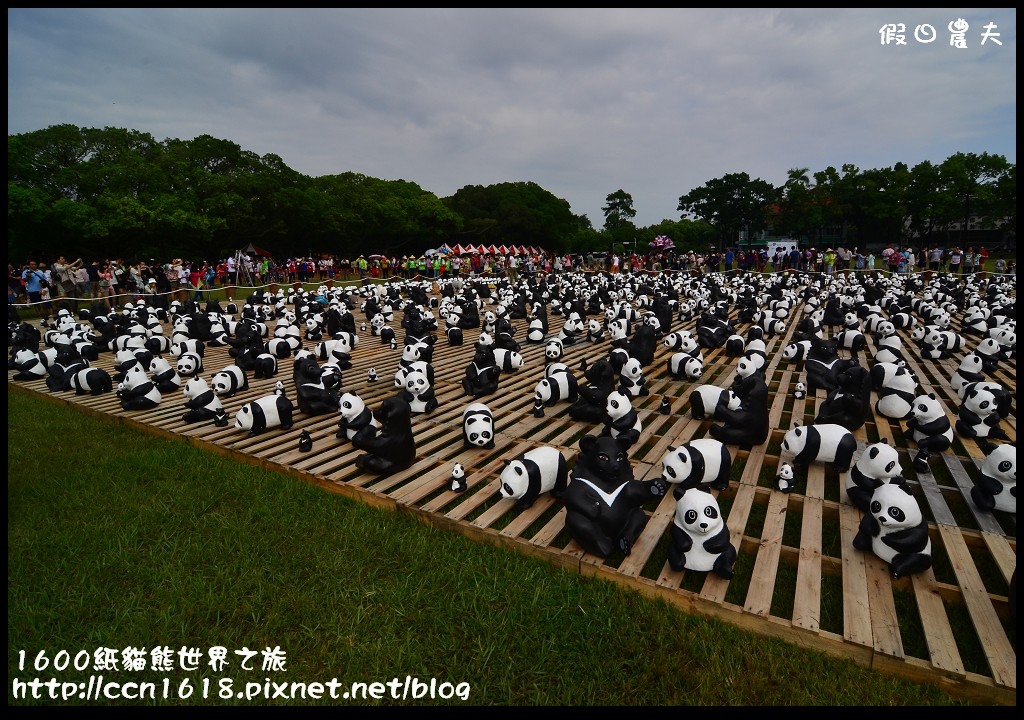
[118,539]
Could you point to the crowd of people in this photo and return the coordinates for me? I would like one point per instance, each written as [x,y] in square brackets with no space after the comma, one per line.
[112,279]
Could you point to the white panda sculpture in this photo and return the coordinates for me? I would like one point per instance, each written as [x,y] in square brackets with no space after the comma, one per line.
[137,391]
[355,416]
[621,418]
[559,384]
[703,462]
[201,401]
[631,379]
[705,398]
[699,537]
[995,488]
[799,391]
[896,388]
[826,443]
[894,529]
[553,350]
[685,366]
[458,478]
[265,413]
[419,393]
[929,428]
[477,426]
[785,478]
[166,377]
[878,463]
[508,360]
[190,364]
[91,381]
[970,370]
[978,415]
[536,471]
[229,381]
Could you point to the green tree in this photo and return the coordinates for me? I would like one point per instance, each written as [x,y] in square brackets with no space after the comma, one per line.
[730,204]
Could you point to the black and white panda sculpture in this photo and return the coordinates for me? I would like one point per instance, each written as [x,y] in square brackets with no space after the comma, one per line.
[201,401]
[894,529]
[265,413]
[508,361]
[978,415]
[995,488]
[621,418]
[559,384]
[354,416]
[685,366]
[541,470]
[969,371]
[631,379]
[896,387]
[229,381]
[419,393]
[785,478]
[878,463]
[164,375]
[137,391]
[478,426]
[827,443]
[703,462]
[929,428]
[458,478]
[699,537]
[553,350]
[705,399]
[91,381]
[189,364]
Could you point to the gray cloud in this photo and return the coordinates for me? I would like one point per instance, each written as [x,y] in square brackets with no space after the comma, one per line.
[582,102]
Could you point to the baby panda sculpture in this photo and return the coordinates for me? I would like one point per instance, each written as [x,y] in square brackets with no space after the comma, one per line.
[265,413]
[878,464]
[137,391]
[553,350]
[799,391]
[477,426]
[829,444]
[389,447]
[541,470]
[785,479]
[603,502]
[354,416]
[705,399]
[929,428]
[621,418]
[700,539]
[704,463]
[458,478]
[894,529]
[995,488]
[201,401]
[978,415]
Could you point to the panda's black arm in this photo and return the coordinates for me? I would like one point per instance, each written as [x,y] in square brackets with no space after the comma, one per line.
[909,540]
[988,484]
[869,526]
[719,542]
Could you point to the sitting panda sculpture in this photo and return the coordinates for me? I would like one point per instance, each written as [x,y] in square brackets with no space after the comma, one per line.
[201,401]
[137,391]
[878,463]
[748,426]
[537,471]
[995,487]
[390,446]
[354,416]
[699,537]
[894,529]
[419,393]
[978,414]
[603,502]
[929,428]
[621,418]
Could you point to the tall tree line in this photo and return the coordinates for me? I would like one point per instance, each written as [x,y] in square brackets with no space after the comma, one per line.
[101,192]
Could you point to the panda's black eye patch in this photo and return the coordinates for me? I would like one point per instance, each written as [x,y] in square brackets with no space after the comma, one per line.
[690,517]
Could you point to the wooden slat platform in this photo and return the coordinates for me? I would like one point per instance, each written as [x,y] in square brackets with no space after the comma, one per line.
[798,576]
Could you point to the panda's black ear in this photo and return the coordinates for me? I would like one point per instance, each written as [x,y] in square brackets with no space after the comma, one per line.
[885,441]
[873,453]
[932,396]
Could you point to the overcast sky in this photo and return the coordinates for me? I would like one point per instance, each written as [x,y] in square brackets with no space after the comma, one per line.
[581,102]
